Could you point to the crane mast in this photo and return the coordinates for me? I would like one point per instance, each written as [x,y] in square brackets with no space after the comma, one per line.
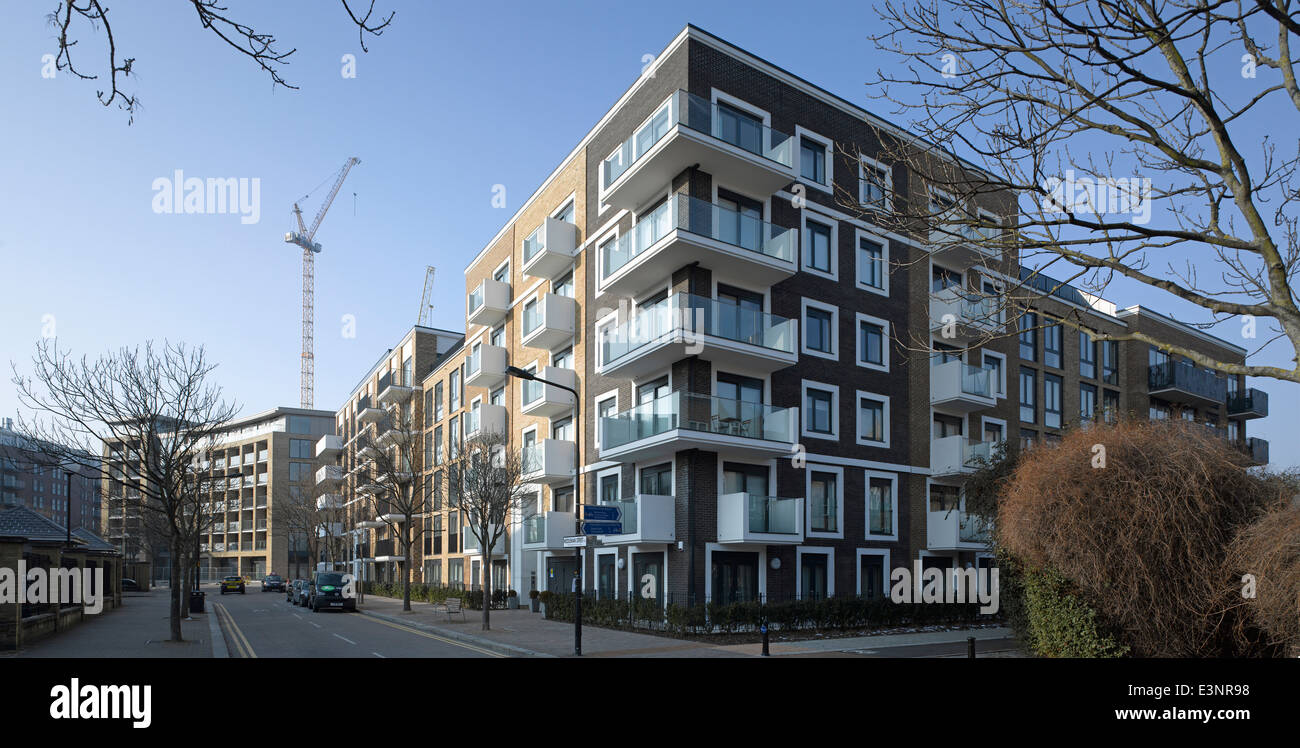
[305,237]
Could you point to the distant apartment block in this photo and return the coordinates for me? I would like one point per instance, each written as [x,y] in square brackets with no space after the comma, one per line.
[27,478]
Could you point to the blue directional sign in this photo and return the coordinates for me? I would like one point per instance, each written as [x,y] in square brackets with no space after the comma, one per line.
[602,528]
[594,513]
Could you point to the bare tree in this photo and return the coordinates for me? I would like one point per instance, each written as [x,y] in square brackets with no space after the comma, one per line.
[392,451]
[244,39]
[491,492]
[151,412]
[315,516]
[1104,139]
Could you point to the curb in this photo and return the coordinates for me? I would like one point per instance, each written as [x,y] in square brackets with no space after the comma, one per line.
[478,641]
[219,649]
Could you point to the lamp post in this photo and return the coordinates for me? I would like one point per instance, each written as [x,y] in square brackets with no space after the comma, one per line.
[518,373]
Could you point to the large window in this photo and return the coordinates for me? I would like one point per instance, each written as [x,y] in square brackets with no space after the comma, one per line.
[819,407]
[819,330]
[301,449]
[453,384]
[871,344]
[880,506]
[1052,345]
[874,181]
[1087,355]
[1110,361]
[812,161]
[1110,405]
[437,401]
[871,263]
[817,246]
[1087,401]
[1028,394]
[1051,401]
[1029,336]
[657,480]
[871,419]
[824,502]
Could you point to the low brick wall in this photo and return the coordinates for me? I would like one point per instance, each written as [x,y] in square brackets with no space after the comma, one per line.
[37,627]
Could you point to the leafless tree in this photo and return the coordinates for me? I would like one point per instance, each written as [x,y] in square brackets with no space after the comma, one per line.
[491,493]
[151,412]
[389,484]
[314,516]
[1102,139]
[260,47]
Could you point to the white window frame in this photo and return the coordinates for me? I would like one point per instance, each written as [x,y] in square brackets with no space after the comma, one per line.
[595,409]
[1006,430]
[834,248]
[1002,385]
[858,354]
[865,160]
[858,235]
[805,304]
[803,550]
[884,567]
[866,504]
[825,142]
[857,416]
[834,434]
[838,470]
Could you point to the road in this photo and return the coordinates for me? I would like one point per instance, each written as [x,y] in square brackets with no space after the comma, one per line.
[263,624]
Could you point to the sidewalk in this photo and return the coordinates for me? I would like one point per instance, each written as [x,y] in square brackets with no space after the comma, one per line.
[137,629]
[520,633]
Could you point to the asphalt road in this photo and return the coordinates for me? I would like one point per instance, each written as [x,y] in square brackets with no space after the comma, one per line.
[264,624]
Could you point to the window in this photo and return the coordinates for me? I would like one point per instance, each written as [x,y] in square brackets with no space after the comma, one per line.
[818,247]
[1159,412]
[880,506]
[823,501]
[563,359]
[437,446]
[873,424]
[498,337]
[874,183]
[1051,401]
[1110,361]
[1087,355]
[453,437]
[812,161]
[995,432]
[872,336]
[657,480]
[819,411]
[1052,344]
[1110,405]
[437,401]
[1189,414]
[298,448]
[1027,438]
[567,212]
[1029,336]
[428,408]
[1028,389]
[453,384]
[502,274]
[608,489]
[563,286]
[871,264]
[428,447]
[819,329]
[996,366]
[1087,401]
[562,499]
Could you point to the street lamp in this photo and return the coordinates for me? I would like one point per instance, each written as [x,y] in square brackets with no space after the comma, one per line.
[518,373]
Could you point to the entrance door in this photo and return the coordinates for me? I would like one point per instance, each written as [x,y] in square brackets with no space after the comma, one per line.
[648,576]
[559,573]
[753,480]
[872,573]
[606,576]
[735,577]
[740,316]
[812,579]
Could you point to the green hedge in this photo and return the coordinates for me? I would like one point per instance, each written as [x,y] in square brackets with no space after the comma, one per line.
[1057,622]
[434,593]
[833,614]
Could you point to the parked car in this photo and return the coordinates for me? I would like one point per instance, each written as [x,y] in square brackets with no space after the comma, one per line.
[325,590]
[130,585]
[298,592]
[232,584]
[272,582]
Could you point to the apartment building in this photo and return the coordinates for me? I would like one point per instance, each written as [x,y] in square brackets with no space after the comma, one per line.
[27,479]
[751,394]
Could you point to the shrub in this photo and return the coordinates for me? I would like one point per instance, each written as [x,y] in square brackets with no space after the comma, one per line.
[1059,623]
[1269,550]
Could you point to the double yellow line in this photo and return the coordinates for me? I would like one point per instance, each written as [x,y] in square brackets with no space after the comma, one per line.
[233,635]
[427,635]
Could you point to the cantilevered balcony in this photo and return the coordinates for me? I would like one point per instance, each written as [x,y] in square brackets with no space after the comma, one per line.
[328,447]
[681,420]
[329,476]
[390,436]
[684,325]
[955,530]
[688,130]
[474,547]
[960,315]
[1185,383]
[368,416]
[395,393]
[1249,403]
[485,419]
[329,501]
[958,386]
[684,229]
[548,251]
[547,400]
[1257,450]
[546,531]
[957,455]
[647,518]
[548,461]
[548,321]
[747,518]
[485,366]
[489,303]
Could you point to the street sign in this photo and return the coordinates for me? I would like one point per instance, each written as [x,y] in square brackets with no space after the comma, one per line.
[594,513]
[602,528]
[575,541]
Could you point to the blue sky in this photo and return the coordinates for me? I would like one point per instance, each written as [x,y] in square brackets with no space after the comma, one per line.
[450,101]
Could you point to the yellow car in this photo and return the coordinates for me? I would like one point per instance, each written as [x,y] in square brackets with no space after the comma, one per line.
[232,584]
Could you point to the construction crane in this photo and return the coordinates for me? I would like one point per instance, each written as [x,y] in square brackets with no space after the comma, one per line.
[305,237]
[426,300]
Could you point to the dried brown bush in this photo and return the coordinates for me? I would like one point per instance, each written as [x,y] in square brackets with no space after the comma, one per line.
[1143,539]
[1269,549]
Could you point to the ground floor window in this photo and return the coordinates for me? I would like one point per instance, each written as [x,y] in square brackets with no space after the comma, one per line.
[735,577]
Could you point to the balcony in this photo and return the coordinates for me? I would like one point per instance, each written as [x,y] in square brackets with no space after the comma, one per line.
[546,531]
[955,530]
[688,130]
[474,547]
[369,452]
[547,400]
[394,394]
[1257,450]
[746,518]
[957,455]
[390,437]
[957,240]
[548,461]
[486,366]
[685,229]
[646,519]
[958,386]
[328,447]
[488,419]
[684,325]
[489,303]
[548,322]
[971,315]
[329,476]
[548,251]
[1182,382]
[681,420]
[368,416]
[1250,403]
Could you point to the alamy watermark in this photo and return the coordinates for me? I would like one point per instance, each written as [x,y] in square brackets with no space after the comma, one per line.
[934,585]
[40,586]
[1099,196]
[240,196]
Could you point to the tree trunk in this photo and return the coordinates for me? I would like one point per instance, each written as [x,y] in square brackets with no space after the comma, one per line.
[485,541]
[176,591]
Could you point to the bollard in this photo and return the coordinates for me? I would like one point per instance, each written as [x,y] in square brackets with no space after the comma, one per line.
[763,629]
[970,647]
